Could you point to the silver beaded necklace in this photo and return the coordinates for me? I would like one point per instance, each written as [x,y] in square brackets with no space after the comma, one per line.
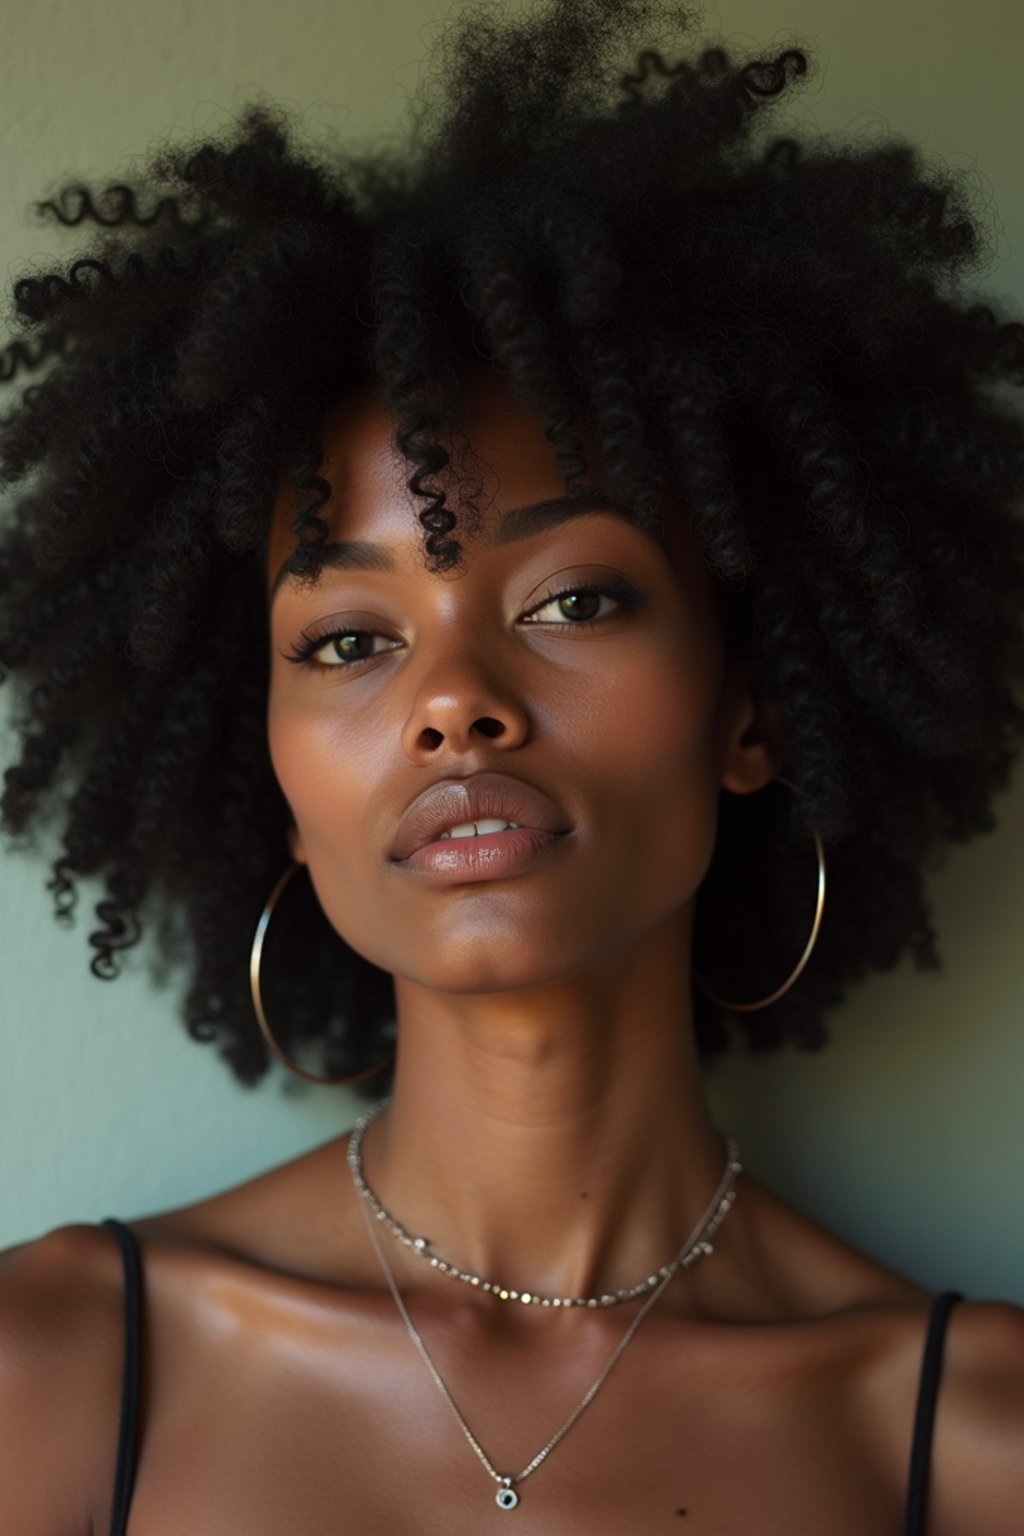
[422,1245]
[695,1246]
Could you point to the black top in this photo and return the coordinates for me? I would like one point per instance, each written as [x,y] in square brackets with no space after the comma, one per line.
[127,1444]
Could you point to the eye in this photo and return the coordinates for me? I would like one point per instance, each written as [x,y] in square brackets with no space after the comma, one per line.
[622,592]
[336,642]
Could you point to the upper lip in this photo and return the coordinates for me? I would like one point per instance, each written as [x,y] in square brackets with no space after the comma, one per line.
[481,795]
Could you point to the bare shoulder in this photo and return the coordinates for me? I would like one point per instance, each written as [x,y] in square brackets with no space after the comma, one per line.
[296,1218]
[61,1342]
[62,1331]
[978,1450]
[875,1323]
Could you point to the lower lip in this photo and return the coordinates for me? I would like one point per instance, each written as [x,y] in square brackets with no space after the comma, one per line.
[493,856]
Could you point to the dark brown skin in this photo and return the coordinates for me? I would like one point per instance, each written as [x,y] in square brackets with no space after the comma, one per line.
[548,1125]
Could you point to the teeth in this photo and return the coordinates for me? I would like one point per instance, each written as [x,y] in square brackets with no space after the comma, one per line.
[478,828]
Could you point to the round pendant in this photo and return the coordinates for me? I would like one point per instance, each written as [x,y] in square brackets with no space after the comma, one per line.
[506,1498]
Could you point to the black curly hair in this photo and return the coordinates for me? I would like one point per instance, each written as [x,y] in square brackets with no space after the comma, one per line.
[776,328]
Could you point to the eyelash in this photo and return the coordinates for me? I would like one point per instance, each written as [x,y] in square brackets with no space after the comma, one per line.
[623,592]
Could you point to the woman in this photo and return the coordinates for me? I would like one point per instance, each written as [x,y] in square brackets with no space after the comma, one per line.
[721,587]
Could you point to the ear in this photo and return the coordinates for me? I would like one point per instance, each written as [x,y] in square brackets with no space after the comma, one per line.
[295,844]
[751,740]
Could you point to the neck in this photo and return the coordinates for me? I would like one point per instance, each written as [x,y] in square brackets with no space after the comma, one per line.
[555,1142]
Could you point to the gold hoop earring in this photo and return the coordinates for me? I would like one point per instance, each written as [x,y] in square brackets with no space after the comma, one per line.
[255,956]
[764,1001]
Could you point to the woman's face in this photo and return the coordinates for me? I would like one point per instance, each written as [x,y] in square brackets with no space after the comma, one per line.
[629,724]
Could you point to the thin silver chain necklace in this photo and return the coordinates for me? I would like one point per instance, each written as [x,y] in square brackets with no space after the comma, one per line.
[696,1245]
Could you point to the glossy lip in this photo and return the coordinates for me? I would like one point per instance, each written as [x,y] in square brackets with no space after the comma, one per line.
[495,856]
[475,798]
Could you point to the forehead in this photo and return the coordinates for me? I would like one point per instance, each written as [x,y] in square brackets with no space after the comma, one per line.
[510,459]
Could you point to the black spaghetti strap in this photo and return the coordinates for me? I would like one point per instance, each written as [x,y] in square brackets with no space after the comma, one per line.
[924,1417]
[127,1442]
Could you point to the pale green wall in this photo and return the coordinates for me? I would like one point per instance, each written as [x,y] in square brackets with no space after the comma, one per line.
[906,1133]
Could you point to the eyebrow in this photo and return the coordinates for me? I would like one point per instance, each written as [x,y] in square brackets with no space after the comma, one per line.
[514,524]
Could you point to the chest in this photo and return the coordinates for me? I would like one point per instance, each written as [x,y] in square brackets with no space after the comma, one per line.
[267,1433]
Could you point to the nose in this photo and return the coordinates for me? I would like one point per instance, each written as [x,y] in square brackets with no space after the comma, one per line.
[460,701]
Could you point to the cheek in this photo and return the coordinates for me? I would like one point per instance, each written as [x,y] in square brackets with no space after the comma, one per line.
[320,770]
[660,760]
[326,780]
[284,747]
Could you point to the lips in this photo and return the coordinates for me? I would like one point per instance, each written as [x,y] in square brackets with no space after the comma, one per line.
[482,795]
